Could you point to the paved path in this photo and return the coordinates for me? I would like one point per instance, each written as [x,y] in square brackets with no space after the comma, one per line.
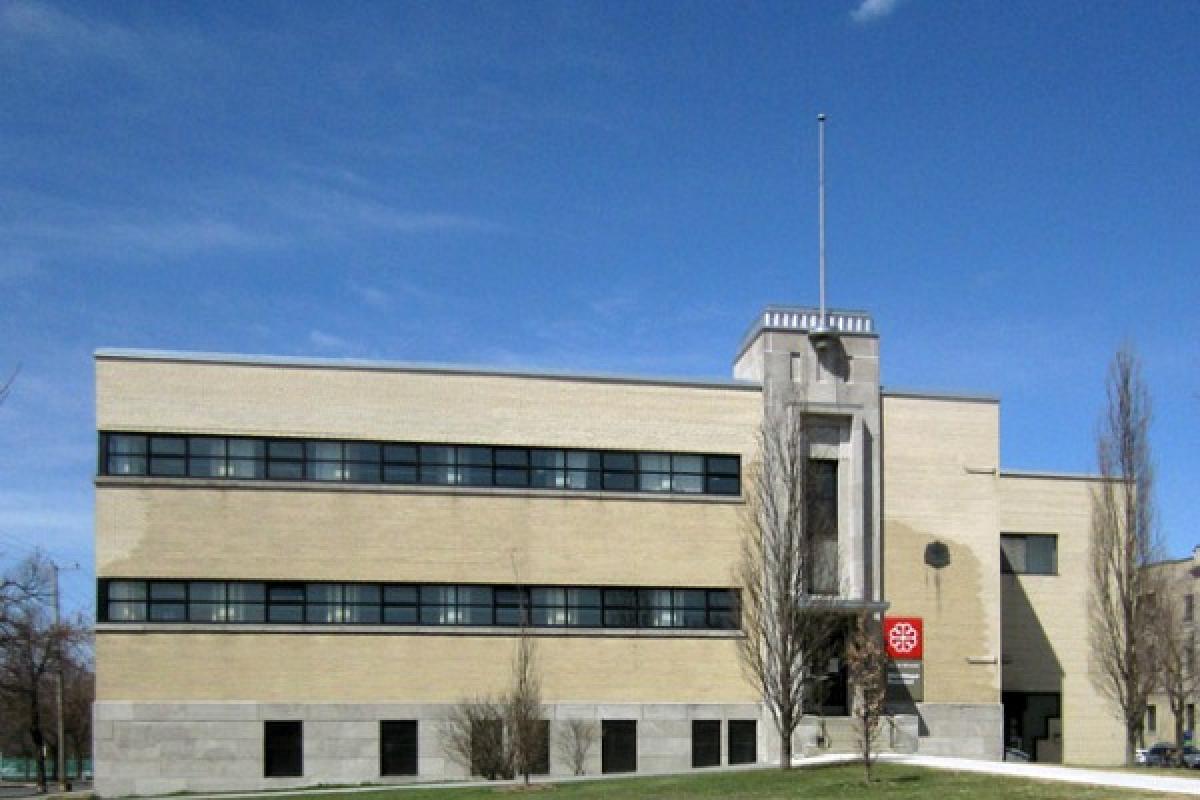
[1147,781]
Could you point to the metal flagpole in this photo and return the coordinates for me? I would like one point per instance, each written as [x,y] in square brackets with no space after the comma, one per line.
[821,321]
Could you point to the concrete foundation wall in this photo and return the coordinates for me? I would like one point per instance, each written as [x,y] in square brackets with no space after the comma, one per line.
[157,748]
[966,730]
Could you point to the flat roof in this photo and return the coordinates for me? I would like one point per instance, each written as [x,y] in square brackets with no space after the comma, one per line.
[305,362]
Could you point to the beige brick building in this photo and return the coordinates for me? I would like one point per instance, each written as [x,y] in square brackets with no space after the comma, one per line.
[1181,578]
[304,563]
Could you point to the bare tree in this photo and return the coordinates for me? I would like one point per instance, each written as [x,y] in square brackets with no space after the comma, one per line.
[1123,544]
[6,387]
[31,645]
[576,742]
[473,736]
[523,710]
[1174,647]
[79,694]
[866,662]
[787,574]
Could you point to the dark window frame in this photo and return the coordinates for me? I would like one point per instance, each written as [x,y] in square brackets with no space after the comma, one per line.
[823,516]
[1008,568]
[181,456]
[739,749]
[612,750]
[706,743]
[391,762]
[286,758]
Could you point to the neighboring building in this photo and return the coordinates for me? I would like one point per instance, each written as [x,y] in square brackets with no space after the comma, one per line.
[304,563]
[1182,578]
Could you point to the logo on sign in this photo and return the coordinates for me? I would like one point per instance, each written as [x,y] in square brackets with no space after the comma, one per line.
[902,637]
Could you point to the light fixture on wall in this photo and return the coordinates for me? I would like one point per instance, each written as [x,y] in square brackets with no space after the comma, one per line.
[937,554]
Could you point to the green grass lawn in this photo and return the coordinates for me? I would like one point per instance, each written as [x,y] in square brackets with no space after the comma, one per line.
[895,782]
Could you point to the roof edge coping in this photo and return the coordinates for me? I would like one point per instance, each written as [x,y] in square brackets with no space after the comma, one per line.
[308,362]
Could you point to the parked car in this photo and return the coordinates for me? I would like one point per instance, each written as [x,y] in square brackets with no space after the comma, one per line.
[1139,756]
[1191,757]
[1160,754]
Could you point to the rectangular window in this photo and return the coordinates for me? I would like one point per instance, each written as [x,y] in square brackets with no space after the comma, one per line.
[247,602]
[456,605]
[247,458]
[723,475]
[285,460]
[541,761]
[722,609]
[168,456]
[168,601]
[743,741]
[1029,553]
[283,748]
[206,601]
[489,757]
[618,745]
[1190,717]
[285,603]
[398,747]
[1151,718]
[512,606]
[620,608]
[583,470]
[400,605]
[126,601]
[706,743]
[1189,602]
[126,454]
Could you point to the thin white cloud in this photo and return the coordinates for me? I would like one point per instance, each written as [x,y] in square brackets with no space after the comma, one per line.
[284,215]
[336,210]
[328,341]
[371,295]
[44,24]
[871,10]
[186,236]
[148,237]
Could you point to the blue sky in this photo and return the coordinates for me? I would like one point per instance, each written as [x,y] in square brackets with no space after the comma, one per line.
[1013,189]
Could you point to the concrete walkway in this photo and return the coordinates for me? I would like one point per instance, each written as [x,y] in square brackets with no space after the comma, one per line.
[1148,781]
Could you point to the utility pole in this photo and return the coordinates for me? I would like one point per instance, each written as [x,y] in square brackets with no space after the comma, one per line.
[61,762]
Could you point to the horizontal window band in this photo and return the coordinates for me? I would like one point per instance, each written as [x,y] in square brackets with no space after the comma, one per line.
[245,602]
[239,458]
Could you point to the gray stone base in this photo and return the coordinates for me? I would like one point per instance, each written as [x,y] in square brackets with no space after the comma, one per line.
[968,730]
[159,748]
[818,735]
